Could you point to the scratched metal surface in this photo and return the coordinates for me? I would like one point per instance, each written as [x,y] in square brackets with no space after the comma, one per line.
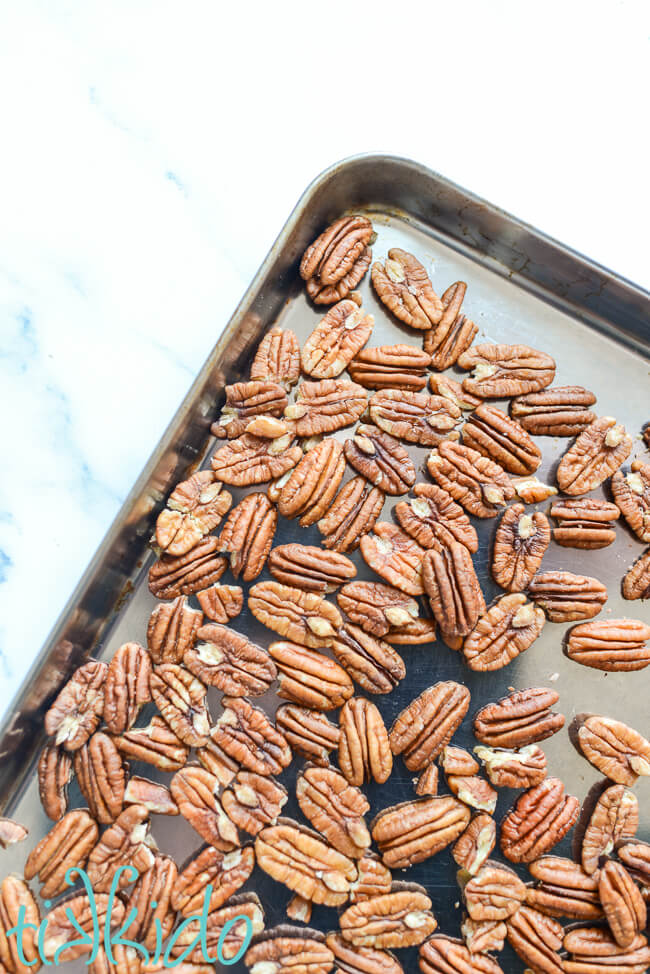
[504,312]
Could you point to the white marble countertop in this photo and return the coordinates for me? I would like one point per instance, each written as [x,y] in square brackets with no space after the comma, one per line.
[151,153]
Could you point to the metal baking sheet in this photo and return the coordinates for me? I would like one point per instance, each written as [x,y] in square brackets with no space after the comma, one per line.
[522,287]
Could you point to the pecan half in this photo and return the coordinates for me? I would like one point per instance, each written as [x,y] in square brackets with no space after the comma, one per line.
[401,918]
[532,490]
[452,586]
[326,406]
[395,556]
[16,899]
[558,411]
[220,603]
[127,687]
[123,960]
[610,644]
[246,735]
[375,879]
[337,338]
[54,774]
[244,402]
[563,889]
[372,663]
[584,522]
[151,899]
[381,459]
[448,388]
[364,749]
[227,660]
[594,949]
[225,931]
[101,777]
[308,678]
[507,629]
[195,792]
[226,872]
[596,454]
[494,893]
[473,791]
[501,371]
[427,783]
[277,358]
[565,597]
[335,808]
[309,733]
[180,698]
[302,617]
[446,348]
[155,744]
[247,535]
[403,285]
[415,416]
[434,518]
[287,948]
[310,568]
[88,917]
[11,832]
[414,831]
[353,513]
[523,717]
[171,576]
[520,544]
[618,751]
[337,260]
[495,435]
[456,760]
[483,936]
[78,708]
[428,723]
[312,485]
[66,846]
[151,794]
[636,583]
[537,939]
[622,903]
[299,858]
[540,817]
[172,630]
[377,608]
[255,459]
[253,801]
[361,960]
[615,816]
[124,843]
[635,856]
[632,495]
[475,844]
[390,367]
[480,485]
[506,768]
[444,955]
[194,509]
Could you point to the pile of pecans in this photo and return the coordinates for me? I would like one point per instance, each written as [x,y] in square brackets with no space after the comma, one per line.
[478,466]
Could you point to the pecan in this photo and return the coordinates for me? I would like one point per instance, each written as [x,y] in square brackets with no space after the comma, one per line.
[618,751]
[558,411]
[78,708]
[540,817]
[101,777]
[372,663]
[255,459]
[335,808]
[303,617]
[287,948]
[194,509]
[16,899]
[244,402]
[596,454]
[622,903]
[299,858]
[565,597]
[337,259]
[253,801]
[427,724]
[299,909]
[309,733]
[434,518]
[563,889]
[127,687]
[312,485]
[415,416]
[361,960]
[414,831]
[326,406]
[614,817]
[473,791]
[66,846]
[155,744]
[376,607]
[532,490]
[310,568]
[495,435]
[584,522]
[507,629]
[180,698]
[124,843]
[390,367]
[427,783]
[277,358]
[636,583]
[195,792]
[226,872]
[483,936]
[220,603]
[632,495]
[521,768]
[308,678]
[123,960]
[381,459]
[247,535]
[227,660]
[375,879]
[456,760]
[448,388]
[413,633]
[225,933]
[635,856]
[403,285]
[246,735]
[501,371]
[480,485]
[151,794]
[536,939]
[11,832]
[475,844]
[494,893]
[364,749]
[594,949]
[446,347]
[54,773]
[395,556]
[401,918]
[444,955]
[171,576]
[172,630]
[88,917]
[151,898]
[452,586]
[520,544]
[610,644]
[523,717]
[353,513]
[337,338]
